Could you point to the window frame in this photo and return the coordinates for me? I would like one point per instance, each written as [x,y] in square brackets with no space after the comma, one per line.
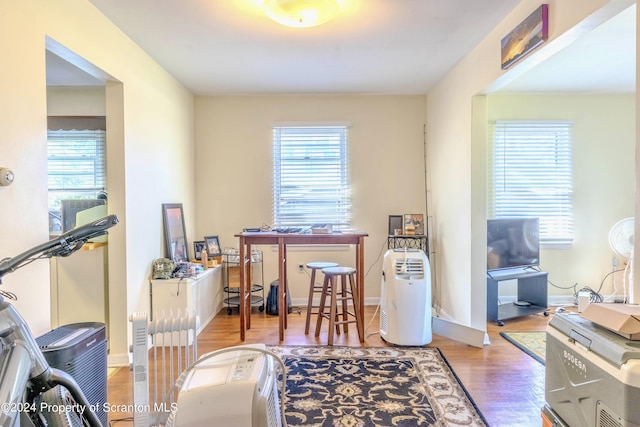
[299,198]
[548,158]
[87,161]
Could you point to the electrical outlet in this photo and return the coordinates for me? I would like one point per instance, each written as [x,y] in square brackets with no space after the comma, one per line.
[300,268]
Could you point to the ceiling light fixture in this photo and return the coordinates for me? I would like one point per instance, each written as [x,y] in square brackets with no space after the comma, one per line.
[301,13]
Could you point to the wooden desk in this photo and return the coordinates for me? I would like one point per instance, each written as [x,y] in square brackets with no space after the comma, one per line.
[283,240]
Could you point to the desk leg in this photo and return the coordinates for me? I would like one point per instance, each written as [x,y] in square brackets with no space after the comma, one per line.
[360,283]
[248,285]
[282,287]
[241,288]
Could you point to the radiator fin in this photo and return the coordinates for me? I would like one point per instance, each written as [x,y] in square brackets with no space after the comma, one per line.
[173,350]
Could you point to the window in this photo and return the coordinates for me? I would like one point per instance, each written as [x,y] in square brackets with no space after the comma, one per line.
[310,176]
[76,161]
[530,175]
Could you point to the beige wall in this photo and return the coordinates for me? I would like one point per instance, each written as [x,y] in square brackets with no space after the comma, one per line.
[152,157]
[149,147]
[234,169]
[603,179]
[456,149]
[76,101]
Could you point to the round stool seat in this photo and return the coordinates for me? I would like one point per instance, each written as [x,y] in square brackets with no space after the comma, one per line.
[320,265]
[338,271]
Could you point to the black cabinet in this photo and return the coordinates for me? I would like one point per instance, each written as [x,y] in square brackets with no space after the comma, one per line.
[531,297]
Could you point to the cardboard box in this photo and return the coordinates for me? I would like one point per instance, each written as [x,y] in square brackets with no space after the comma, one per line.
[623,319]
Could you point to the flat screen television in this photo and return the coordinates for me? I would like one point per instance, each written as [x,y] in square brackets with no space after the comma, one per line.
[513,243]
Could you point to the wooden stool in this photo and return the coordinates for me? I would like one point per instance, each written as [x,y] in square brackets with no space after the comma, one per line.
[348,291]
[313,289]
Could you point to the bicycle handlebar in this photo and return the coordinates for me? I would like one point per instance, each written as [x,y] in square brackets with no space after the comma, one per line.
[63,245]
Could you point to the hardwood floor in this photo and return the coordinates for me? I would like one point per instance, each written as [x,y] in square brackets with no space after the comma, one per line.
[506,384]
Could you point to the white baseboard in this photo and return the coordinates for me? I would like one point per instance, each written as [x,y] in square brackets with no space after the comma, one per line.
[117,360]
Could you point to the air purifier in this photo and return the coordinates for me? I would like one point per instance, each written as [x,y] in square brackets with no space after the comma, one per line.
[80,349]
[405,298]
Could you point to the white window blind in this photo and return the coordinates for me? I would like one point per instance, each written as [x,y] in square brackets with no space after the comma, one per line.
[310,176]
[76,161]
[531,175]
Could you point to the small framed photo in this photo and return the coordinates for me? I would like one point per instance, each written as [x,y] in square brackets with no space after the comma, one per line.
[212,246]
[198,247]
[413,224]
[395,225]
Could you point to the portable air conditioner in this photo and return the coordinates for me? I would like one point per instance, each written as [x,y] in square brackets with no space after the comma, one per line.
[237,388]
[405,298]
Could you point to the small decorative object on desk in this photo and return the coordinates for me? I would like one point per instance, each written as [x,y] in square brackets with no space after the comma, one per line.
[205,259]
[413,225]
[321,228]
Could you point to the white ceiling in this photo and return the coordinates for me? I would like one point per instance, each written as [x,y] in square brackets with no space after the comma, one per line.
[372,47]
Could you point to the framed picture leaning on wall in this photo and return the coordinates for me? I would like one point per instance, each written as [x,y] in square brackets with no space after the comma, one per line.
[174,232]
[212,246]
[414,224]
[198,246]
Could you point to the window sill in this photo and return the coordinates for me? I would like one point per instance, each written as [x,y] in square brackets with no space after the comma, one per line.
[556,245]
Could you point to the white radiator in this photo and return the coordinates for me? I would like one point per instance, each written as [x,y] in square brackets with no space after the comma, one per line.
[173,349]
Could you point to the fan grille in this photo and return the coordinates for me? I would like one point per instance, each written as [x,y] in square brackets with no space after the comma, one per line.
[621,237]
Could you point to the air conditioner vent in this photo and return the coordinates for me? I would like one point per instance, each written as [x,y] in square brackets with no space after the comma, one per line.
[606,416]
[409,266]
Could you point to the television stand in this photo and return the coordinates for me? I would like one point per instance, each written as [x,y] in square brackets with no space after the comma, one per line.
[531,297]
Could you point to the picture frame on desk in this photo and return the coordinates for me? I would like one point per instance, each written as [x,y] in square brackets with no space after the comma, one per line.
[395,225]
[198,246]
[413,224]
[213,246]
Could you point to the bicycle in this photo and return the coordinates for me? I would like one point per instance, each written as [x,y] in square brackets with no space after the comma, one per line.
[32,393]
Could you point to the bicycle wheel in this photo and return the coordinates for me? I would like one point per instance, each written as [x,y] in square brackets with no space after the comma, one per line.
[61,410]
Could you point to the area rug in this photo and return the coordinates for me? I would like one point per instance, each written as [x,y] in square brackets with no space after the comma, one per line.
[373,386]
[533,343]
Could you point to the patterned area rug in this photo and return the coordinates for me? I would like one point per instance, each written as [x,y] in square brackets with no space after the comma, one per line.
[373,386]
[532,343]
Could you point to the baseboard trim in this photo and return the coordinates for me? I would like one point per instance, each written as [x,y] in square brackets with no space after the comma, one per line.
[117,360]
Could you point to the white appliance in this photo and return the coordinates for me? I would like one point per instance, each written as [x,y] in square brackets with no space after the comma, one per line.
[621,238]
[405,298]
[236,388]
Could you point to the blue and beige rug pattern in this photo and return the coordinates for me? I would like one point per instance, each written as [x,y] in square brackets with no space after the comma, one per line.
[373,386]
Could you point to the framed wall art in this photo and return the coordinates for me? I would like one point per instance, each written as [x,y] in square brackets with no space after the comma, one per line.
[528,35]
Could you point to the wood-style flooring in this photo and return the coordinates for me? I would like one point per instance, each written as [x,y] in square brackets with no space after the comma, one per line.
[506,384]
